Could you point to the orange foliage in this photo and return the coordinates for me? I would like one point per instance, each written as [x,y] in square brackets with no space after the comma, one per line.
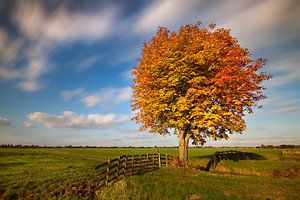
[198,80]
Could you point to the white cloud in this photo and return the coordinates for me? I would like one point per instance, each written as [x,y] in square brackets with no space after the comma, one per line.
[164,13]
[69,94]
[91,100]
[8,47]
[27,124]
[42,31]
[123,94]
[127,75]
[29,85]
[265,23]
[108,97]
[63,25]
[287,69]
[4,122]
[280,103]
[88,62]
[288,109]
[73,120]
[27,75]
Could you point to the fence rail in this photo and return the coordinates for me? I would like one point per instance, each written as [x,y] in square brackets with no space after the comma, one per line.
[128,165]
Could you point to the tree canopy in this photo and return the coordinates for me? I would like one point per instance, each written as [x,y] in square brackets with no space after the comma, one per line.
[199,82]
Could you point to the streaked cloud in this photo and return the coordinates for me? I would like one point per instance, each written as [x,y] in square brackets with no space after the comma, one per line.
[70,119]
[283,102]
[288,109]
[4,122]
[108,97]
[9,47]
[63,25]
[127,75]
[69,94]
[286,69]
[264,23]
[164,13]
[88,62]
[43,31]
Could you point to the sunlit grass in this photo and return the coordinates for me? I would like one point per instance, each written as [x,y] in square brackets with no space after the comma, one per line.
[69,173]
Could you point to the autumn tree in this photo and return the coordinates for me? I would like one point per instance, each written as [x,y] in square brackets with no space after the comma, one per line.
[198,83]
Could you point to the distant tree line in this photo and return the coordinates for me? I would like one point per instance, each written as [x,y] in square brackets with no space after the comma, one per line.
[76,146]
[283,146]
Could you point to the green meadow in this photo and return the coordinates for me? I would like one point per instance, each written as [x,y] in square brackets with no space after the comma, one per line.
[69,173]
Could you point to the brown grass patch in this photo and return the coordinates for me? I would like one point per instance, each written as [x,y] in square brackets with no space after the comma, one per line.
[291,172]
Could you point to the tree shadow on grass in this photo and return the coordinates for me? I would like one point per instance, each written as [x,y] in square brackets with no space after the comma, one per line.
[235,156]
[229,155]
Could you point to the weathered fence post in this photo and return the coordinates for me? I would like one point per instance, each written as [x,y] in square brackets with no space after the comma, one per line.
[132,162]
[125,165]
[107,172]
[147,161]
[159,161]
[153,161]
[140,167]
[166,159]
[118,167]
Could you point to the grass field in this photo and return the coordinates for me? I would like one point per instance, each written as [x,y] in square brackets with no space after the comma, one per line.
[66,173]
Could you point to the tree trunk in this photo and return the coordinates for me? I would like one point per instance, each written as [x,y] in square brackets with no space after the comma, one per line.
[183,148]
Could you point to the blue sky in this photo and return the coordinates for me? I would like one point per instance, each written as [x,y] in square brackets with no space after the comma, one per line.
[65,67]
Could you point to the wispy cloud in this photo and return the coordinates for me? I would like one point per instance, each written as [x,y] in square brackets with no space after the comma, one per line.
[4,122]
[63,25]
[91,100]
[284,102]
[9,47]
[108,97]
[286,69]
[289,109]
[164,13]
[265,23]
[41,31]
[127,75]
[88,62]
[69,94]
[73,120]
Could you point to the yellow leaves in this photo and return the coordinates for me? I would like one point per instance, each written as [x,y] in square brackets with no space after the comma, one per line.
[237,102]
[216,108]
[183,104]
[195,77]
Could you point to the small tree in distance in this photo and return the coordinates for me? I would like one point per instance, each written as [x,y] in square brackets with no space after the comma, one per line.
[198,82]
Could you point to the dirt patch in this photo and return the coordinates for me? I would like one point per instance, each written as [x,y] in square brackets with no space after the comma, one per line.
[194,197]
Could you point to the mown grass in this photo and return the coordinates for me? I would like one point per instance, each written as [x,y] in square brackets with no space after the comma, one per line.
[66,173]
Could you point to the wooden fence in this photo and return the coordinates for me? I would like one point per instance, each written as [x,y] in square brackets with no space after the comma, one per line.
[128,165]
